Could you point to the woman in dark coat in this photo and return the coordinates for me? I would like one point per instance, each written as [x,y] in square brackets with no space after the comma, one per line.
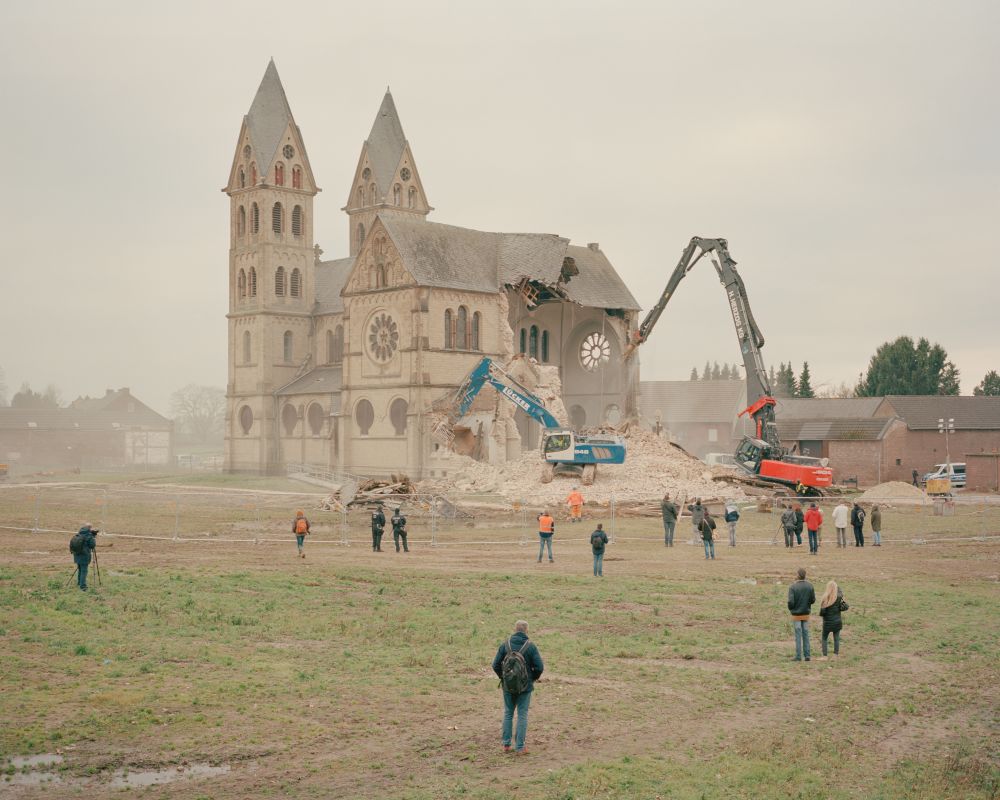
[831,604]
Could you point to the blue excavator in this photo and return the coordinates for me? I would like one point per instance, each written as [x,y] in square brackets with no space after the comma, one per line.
[563,449]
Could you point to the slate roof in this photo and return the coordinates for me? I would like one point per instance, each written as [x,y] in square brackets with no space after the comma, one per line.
[922,412]
[681,402]
[322,380]
[330,279]
[268,117]
[804,408]
[386,142]
[68,419]
[849,429]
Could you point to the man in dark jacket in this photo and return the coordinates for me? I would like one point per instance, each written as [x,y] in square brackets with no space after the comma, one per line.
[788,525]
[378,526]
[81,546]
[707,529]
[517,643]
[669,511]
[800,523]
[801,596]
[399,530]
[858,523]
[598,541]
[697,515]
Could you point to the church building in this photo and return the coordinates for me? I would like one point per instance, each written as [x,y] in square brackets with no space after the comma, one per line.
[336,363]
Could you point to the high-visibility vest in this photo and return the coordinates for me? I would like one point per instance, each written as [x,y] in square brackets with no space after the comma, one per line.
[546,524]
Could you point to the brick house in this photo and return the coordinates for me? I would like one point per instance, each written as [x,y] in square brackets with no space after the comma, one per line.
[701,416]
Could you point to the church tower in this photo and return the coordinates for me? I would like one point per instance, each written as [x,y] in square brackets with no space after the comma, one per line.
[386,180]
[271,273]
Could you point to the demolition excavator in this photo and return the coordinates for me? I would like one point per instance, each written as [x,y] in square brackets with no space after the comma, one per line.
[563,449]
[760,455]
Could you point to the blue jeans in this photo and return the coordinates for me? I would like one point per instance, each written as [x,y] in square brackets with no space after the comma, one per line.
[599,564]
[543,540]
[668,532]
[81,575]
[801,628]
[510,702]
[709,547]
[878,537]
[299,539]
[813,542]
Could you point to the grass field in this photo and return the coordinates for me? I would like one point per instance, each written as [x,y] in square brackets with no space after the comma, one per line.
[237,670]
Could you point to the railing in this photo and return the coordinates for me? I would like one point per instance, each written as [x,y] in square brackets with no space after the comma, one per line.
[333,477]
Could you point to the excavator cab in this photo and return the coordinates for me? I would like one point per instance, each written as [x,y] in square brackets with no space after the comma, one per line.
[558,446]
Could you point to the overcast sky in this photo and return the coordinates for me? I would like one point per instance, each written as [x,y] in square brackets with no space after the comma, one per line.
[848,151]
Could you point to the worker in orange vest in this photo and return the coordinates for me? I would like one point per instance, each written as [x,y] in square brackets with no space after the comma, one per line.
[546,528]
[575,503]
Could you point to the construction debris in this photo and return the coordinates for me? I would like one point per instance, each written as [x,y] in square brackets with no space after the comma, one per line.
[896,491]
[372,490]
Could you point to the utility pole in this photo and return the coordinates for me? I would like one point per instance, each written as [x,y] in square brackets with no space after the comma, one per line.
[947,427]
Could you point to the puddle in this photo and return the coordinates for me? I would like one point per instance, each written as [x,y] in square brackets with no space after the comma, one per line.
[34,762]
[31,770]
[122,779]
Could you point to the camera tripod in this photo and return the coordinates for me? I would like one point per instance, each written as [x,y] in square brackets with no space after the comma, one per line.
[97,570]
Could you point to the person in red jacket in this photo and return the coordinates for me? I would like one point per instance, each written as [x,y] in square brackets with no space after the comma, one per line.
[814,521]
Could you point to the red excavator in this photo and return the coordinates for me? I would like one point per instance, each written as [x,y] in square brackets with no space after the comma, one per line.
[760,455]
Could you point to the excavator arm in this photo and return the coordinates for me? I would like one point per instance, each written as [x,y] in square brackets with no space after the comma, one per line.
[486,371]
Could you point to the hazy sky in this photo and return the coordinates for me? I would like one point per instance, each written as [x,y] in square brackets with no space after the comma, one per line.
[849,151]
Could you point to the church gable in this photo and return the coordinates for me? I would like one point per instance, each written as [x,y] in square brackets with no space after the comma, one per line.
[379,265]
[407,190]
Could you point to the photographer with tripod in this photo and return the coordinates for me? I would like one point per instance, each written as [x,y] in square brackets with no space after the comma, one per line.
[83,545]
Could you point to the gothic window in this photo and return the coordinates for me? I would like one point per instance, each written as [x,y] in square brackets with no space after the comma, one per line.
[296,177]
[545,347]
[477,320]
[246,347]
[329,347]
[254,218]
[252,282]
[364,415]
[361,234]
[289,419]
[361,195]
[462,329]
[279,174]
[295,283]
[412,197]
[276,218]
[297,221]
[246,419]
[448,337]
[241,284]
[243,178]
[315,416]
[524,341]
[338,344]
[397,195]
[397,415]
[374,194]
[533,341]
[279,282]
[253,174]
[241,222]
[287,346]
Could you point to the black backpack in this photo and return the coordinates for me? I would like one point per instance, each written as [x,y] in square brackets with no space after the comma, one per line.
[76,544]
[515,675]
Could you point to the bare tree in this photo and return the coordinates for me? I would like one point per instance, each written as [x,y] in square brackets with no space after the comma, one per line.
[199,411]
[3,388]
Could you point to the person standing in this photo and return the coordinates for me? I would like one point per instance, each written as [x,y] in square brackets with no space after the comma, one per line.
[82,545]
[546,529]
[876,522]
[398,522]
[858,523]
[814,521]
[669,511]
[598,541]
[831,604]
[697,515]
[800,521]
[378,526]
[518,664]
[801,596]
[300,527]
[707,528]
[840,516]
[575,503]
[915,475]
[788,525]
[732,517]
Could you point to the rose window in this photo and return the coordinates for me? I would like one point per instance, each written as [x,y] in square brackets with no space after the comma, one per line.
[595,350]
[383,337]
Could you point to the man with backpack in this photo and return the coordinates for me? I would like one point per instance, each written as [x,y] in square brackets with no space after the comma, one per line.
[300,527]
[81,546]
[518,664]
[399,530]
[598,541]
[378,526]
[732,516]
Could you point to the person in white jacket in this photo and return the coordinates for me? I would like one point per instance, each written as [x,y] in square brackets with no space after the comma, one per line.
[841,519]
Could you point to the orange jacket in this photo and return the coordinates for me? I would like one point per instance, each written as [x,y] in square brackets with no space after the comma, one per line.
[546,524]
[575,499]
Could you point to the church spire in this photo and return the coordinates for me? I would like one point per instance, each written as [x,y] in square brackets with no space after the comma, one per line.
[386,143]
[268,117]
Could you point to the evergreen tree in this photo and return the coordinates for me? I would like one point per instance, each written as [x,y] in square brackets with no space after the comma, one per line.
[786,385]
[706,375]
[694,373]
[716,372]
[989,386]
[772,379]
[27,398]
[948,381]
[902,367]
[805,386]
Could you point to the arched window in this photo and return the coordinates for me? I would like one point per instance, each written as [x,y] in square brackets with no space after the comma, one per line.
[381,276]
[296,177]
[243,178]
[241,222]
[279,174]
[289,419]
[329,347]
[361,234]
[279,282]
[338,344]
[524,341]
[364,415]
[252,282]
[297,221]
[276,218]
[545,347]
[241,284]
[397,195]
[246,347]
[448,336]
[253,174]
[361,195]
[315,416]
[254,219]
[411,200]
[577,416]
[462,329]
[477,320]
[533,341]
[286,349]
[295,283]
[246,419]
[397,415]
[374,194]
